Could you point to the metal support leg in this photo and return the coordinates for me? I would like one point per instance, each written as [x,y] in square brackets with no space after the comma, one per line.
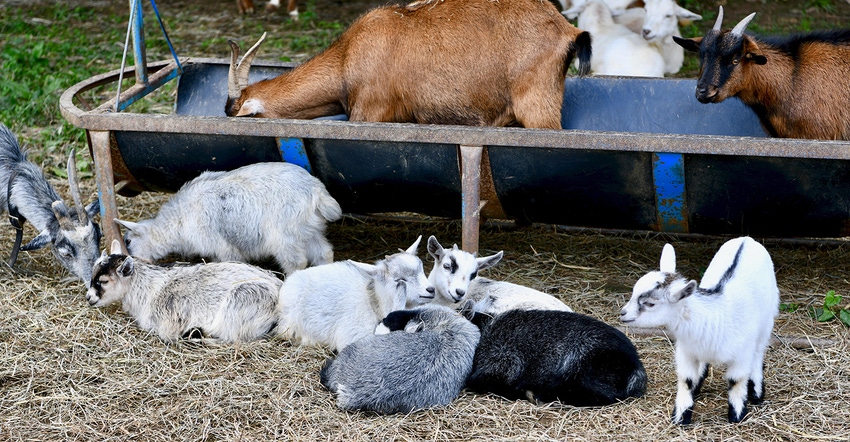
[470,158]
[105,187]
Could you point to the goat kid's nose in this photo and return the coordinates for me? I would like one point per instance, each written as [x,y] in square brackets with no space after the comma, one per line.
[431,290]
[646,33]
[460,292]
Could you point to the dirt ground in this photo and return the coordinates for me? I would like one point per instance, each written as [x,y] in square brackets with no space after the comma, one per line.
[72,372]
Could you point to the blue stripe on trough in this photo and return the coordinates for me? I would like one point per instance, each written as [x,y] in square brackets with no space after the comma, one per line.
[292,151]
[668,172]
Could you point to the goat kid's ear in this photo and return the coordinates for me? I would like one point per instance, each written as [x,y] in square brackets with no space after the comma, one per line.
[126,268]
[115,248]
[44,238]
[369,269]
[412,248]
[668,259]
[129,225]
[684,14]
[414,326]
[489,261]
[435,249]
[686,291]
[93,208]
[690,44]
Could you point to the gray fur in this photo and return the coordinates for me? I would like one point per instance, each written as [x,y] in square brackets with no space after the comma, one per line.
[248,214]
[75,240]
[423,364]
[226,302]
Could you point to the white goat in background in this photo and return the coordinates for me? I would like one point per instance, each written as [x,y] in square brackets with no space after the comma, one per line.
[726,320]
[616,49]
[248,214]
[339,303]
[224,302]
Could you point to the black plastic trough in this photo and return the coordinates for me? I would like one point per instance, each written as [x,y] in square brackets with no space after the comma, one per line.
[635,154]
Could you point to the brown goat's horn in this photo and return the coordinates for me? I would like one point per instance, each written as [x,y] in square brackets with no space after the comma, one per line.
[719,21]
[738,30]
[238,75]
[233,90]
[74,183]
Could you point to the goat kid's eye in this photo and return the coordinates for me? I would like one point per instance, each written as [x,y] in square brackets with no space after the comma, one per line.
[447,266]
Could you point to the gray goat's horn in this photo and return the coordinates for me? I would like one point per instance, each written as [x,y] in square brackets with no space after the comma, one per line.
[738,30]
[238,75]
[74,183]
[719,21]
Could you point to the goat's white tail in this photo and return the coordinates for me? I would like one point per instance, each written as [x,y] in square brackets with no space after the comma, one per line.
[327,206]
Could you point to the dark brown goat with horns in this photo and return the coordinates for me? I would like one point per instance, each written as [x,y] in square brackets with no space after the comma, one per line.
[473,62]
[798,85]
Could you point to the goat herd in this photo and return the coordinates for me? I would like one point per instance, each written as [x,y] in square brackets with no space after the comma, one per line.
[405,341]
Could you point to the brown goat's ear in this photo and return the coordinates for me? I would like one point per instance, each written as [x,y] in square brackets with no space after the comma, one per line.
[690,44]
[753,52]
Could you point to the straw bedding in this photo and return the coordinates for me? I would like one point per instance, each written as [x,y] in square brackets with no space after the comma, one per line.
[70,371]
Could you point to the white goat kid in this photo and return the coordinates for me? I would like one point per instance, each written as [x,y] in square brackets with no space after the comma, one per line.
[726,320]
[616,49]
[337,304]
[455,279]
[248,214]
[224,302]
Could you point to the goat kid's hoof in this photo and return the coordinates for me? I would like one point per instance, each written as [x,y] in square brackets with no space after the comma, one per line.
[685,419]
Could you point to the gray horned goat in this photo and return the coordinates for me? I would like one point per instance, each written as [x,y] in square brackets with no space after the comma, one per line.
[27,196]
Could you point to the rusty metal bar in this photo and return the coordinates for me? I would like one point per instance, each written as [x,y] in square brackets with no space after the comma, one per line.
[470,178]
[100,142]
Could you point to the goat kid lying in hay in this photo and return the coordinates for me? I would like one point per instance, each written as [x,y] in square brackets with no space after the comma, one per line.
[472,62]
[798,85]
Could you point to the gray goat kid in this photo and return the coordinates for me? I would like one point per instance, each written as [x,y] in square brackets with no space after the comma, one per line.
[421,361]
[455,279]
[248,214]
[224,302]
[337,304]
[27,196]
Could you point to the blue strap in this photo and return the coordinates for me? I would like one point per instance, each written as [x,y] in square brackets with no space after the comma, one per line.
[167,40]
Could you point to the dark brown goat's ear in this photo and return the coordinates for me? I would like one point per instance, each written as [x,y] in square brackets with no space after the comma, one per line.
[753,52]
[690,44]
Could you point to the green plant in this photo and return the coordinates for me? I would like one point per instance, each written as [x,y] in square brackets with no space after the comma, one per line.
[831,309]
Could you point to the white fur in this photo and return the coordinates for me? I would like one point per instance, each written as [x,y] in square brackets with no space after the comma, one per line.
[455,280]
[723,321]
[337,304]
[227,302]
[248,214]
[576,6]
[616,49]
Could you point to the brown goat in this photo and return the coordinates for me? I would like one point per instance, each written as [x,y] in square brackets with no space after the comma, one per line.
[799,85]
[472,62]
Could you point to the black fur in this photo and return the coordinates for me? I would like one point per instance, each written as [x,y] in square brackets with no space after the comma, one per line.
[548,355]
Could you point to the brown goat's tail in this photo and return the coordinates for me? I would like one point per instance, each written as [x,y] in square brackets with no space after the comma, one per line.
[581,48]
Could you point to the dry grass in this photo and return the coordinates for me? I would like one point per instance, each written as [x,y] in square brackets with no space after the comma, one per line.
[69,371]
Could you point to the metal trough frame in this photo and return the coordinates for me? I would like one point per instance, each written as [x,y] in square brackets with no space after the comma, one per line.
[473,142]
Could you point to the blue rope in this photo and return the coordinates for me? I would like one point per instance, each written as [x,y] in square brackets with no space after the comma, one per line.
[167,40]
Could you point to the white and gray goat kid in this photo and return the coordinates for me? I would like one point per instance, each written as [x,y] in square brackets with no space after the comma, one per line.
[223,302]
[248,214]
[455,279]
[337,304]
[725,320]
[27,196]
[418,359]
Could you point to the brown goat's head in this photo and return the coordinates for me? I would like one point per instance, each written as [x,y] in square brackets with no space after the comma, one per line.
[724,58]
[238,105]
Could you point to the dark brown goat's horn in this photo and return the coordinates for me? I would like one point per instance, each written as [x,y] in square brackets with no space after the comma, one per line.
[738,30]
[719,20]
